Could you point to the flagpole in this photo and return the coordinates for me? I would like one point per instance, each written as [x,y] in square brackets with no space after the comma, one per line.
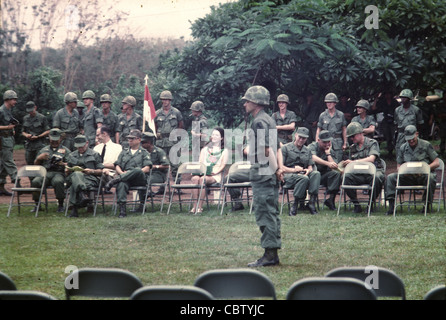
[146,79]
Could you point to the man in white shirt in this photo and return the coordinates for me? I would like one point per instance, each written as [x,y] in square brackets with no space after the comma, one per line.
[110,154]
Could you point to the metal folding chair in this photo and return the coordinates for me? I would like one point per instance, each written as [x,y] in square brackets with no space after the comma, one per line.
[161,185]
[440,186]
[237,167]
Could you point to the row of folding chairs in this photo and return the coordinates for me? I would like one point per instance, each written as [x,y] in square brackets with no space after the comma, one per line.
[345,283]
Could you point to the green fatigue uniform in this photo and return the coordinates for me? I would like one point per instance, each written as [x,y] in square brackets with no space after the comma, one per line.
[292,157]
[285,136]
[158,157]
[424,151]
[125,125]
[403,118]
[265,186]
[311,113]
[366,123]
[90,124]
[131,164]
[69,124]
[78,181]
[335,126]
[55,175]
[35,126]
[110,121]
[440,119]
[370,147]
[7,164]
[200,125]
[329,178]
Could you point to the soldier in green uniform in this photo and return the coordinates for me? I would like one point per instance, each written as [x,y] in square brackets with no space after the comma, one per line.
[285,120]
[167,119]
[363,149]
[296,162]
[67,119]
[54,159]
[35,130]
[7,126]
[92,118]
[406,114]
[438,99]
[414,149]
[109,118]
[334,121]
[366,121]
[132,167]
[261,152]
[127,121]
[323,157]
[90,167]
[199,124]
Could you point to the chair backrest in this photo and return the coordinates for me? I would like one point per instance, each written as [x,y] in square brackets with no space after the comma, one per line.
[440,172]
[31,171]
[24,295]
[319,288]
[6,283]
[171,293]
[101,282]
[236,283]
[239,166]
[414,167]
[195,168]
[360,167]
[437,293]
[386,283]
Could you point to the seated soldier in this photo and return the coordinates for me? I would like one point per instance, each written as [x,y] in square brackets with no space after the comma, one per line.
[54,159]
[132,166]
[296,164]
[323,157]
[363,149]
[84,167]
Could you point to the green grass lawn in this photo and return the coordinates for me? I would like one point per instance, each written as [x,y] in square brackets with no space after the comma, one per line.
[176,248]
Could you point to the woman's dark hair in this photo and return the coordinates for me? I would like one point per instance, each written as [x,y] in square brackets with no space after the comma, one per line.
[222,134]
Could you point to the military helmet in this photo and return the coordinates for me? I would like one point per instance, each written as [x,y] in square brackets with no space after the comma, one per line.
[106,98]
[70,97]
[283,98]
[258,95]
[166,95]
[406,93]
[331,97]
[197,106]
[9,94]
[354,128]
[363,104]
[129,100]
[88,95]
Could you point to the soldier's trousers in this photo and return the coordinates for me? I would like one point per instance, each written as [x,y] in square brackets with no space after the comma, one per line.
[7,165]
[332,180]
[266,209]
[236,177]
[156,177]
[358,179]
[54,179]
[409,180]
[78,183]
[131,178]
[301,183]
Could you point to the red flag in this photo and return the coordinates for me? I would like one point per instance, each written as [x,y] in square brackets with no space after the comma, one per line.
[149,109]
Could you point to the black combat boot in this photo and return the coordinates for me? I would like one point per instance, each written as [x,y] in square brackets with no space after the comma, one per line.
[293,210]
[112,183]
[73,213]
[311,204]
[122,211]
[4,192]
[391,207]
[269,258]
[330,202]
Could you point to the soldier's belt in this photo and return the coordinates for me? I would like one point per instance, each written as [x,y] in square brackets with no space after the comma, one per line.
[6,133]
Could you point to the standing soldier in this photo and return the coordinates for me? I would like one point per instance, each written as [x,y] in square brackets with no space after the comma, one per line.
[85,168]
[199,124]
[367,121]
[262,154]
[67,120]
[406,114]
[440,116]
[35,130]
[92,117]
[310,113]
[334,121]
[127,121]
[109,118]
[132,166]
[285,120]
[54,159]
[7,126]
[167,119]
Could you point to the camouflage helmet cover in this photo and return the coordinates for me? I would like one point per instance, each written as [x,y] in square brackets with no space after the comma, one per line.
[129,100]
[363,104]
[88,95]
[70,97]
[258,95]
[9,94]
[354,128]
[406,93]
[331,97]
[166,95]
[106,98]
[197,106]
[283,98]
